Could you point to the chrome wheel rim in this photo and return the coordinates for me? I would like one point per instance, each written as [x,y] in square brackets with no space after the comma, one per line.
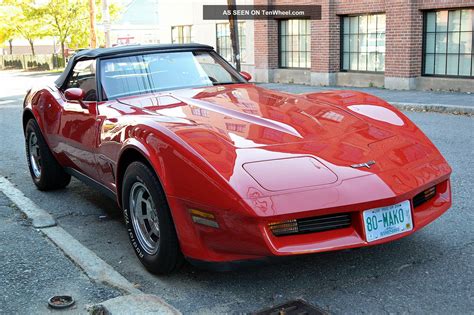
[35,156]
[144,218]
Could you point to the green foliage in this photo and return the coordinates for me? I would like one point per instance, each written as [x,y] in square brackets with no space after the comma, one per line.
[80,38]
[35,65]
[7,28]
[68,20]
[23,18]
[13,64]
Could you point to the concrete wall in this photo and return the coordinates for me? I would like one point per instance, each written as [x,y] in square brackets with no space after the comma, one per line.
[360,79]
[290,76]
[445,84]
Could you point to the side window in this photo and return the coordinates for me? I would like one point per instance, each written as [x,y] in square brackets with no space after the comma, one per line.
[83,77]
[212,68]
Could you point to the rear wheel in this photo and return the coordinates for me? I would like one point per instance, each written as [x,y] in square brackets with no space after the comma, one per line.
[45,171]
[148,220]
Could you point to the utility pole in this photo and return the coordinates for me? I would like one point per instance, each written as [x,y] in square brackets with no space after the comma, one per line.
[106,19]
[93,36]
[234,34]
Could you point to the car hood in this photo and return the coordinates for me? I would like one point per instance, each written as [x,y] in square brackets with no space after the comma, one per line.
[247,116]
[245,131]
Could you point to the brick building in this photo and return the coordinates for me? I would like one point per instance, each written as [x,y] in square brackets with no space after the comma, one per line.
[398,44]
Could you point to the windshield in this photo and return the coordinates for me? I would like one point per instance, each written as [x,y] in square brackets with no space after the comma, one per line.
[141,74]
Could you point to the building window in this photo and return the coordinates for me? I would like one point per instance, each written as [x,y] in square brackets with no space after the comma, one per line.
[295,43]
[224,45]
[181,34]
[196,111]
[363,43]
[448,41]
[235,127]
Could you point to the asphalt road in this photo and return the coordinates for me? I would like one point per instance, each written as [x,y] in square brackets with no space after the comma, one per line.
[428,272]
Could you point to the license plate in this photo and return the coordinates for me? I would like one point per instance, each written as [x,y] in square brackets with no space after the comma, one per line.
[387,221]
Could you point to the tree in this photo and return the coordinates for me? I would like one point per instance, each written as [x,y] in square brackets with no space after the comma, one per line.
[7,28]
[7,33]
[71,21]
[26,20]
[67,18]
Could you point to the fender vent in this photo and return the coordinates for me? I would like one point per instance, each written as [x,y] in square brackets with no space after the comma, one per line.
[311,225]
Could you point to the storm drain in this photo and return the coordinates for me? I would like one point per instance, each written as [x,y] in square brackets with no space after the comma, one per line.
[296,307]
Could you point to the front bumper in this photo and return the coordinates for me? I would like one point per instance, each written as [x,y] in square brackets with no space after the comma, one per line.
[243,237]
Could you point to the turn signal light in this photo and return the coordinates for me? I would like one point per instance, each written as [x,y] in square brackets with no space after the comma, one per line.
[204,218]
[424,196]
[284,227]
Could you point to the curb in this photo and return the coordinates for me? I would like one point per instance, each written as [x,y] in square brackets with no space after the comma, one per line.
[39,218]
[88,261]
[91,264]
[132,304]
[436,108]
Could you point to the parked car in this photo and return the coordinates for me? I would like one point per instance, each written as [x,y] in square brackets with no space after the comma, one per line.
[210,167]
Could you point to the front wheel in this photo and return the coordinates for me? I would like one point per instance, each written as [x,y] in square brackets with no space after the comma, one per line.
[45,171]
[148,219]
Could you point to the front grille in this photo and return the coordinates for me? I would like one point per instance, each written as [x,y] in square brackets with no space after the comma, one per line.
[324,223]
[311,225]
[424,196]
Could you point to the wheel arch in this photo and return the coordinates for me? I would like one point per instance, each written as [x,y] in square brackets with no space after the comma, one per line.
[27,115]
[129,155]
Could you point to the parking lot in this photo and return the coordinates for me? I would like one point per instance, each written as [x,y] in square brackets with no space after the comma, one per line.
[428,272]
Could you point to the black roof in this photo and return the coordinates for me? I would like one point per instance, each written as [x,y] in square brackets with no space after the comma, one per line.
[130,49]
[124,50]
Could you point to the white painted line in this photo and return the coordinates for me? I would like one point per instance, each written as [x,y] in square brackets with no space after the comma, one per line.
[39,217]
[6,102]
[94,267]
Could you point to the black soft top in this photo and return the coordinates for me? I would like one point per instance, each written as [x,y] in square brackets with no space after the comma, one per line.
[124,50]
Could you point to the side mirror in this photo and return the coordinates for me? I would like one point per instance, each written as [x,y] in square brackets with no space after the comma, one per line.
[74,94]
[246,75]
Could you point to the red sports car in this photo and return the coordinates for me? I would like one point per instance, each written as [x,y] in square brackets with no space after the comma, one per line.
[220,171]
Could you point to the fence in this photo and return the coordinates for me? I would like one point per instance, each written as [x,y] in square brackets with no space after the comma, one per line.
[30,62]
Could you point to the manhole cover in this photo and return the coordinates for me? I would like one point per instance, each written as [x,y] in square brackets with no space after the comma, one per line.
[296,307]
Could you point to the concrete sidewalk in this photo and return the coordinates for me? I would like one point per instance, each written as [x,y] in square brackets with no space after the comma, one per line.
[83,272]
[450,102]
[32,270]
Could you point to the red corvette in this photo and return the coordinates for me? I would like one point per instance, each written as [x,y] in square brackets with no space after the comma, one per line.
[212,168]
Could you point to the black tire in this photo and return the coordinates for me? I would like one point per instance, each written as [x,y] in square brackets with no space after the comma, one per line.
[51,175]
[166,256]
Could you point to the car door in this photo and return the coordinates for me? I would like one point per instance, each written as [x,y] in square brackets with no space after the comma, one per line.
[79,124]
